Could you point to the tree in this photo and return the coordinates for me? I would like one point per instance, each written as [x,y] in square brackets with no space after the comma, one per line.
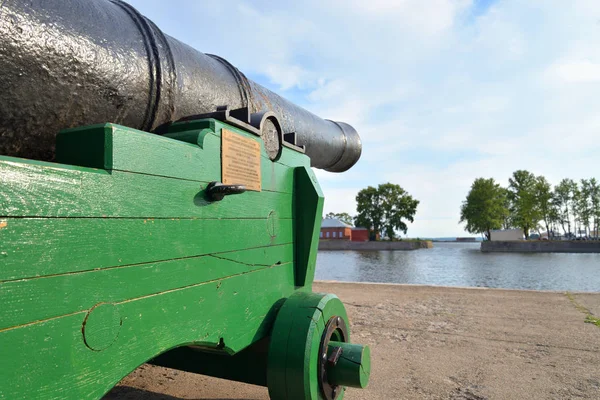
[525,211]
[554,216]
[584,205]
[485,207]
[595,200]
[344,217]
[384,209]
[563,199]
[543,197]
[507,223]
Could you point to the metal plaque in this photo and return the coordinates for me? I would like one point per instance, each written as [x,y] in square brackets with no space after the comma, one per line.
[240,161]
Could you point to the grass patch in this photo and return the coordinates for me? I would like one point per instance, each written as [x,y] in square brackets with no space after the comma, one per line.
[577,305]
[589,317]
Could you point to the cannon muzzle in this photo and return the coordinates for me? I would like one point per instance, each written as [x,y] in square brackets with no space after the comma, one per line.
[69,63]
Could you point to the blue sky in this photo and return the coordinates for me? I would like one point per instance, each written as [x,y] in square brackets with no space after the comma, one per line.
[442,92]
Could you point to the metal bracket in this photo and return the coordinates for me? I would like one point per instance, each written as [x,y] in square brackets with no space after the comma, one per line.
[216,191]
[250,122]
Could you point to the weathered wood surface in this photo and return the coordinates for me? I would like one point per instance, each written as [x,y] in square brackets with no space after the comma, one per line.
[48,191]
[49,359]
[34,247]
[63,294]
[107,264]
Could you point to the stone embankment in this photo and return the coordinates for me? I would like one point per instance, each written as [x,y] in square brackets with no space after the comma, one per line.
[439,343]
[541,246]
[374,246]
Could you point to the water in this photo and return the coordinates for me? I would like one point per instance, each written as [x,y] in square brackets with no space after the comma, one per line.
[462,264]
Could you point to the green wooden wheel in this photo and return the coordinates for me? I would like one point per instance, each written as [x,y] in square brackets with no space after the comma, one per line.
[296,349]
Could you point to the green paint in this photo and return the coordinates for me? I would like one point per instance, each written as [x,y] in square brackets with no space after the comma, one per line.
[37,247]
[292,372]
[308,207]
[178,154]
[49,359]
[353,368]
[67,293]
[101,326]
[248,365]
[47,191]
[114,255]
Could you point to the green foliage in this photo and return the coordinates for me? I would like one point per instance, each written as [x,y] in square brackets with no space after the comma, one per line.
[529,200]
[507,223]
[384,209]
[563,199]
[583,205]
[485,207]
[344,217]
[595,200]
[590,319]
[525,208]
[543,197]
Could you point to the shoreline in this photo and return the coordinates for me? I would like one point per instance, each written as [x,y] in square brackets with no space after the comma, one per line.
[540,246]
[428,285]
[408,245]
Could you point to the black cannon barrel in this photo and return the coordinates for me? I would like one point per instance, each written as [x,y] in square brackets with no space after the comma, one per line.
[67,63]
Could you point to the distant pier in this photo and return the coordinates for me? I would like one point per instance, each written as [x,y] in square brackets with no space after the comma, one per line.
[375,246]
[540,246]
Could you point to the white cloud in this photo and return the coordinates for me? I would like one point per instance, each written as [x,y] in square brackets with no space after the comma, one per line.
[287,76]
[434,17]
[340,200]
[581,71]
[440,97]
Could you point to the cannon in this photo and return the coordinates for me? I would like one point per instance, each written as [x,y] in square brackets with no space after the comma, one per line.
[156,206]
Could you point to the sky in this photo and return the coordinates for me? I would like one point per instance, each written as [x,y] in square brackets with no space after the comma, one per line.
[441,92]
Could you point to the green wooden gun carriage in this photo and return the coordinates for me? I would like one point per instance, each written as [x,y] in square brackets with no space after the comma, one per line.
[173,220]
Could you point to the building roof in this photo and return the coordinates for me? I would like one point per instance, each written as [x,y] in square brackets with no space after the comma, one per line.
[334,223]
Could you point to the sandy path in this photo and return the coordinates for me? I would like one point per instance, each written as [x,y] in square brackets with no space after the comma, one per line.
[439,343]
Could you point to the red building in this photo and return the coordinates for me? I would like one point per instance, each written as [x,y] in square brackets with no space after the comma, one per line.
[333,229]
[359,235]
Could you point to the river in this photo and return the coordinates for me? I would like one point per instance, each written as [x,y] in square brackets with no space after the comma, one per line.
[462,264]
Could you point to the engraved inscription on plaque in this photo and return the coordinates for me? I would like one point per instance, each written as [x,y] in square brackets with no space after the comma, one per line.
[240,161]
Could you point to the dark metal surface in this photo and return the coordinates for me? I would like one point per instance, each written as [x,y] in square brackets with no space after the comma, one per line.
[270,132]
[336,326]
[67,63]
[216,191]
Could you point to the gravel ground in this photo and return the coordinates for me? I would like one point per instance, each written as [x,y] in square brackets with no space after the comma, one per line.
[439,343]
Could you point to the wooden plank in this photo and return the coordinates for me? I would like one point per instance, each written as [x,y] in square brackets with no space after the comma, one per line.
[149,154]
[127,149]
[288,158]
[36,299]
[47,190]
[308,214]
[51,360]
[31,247]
